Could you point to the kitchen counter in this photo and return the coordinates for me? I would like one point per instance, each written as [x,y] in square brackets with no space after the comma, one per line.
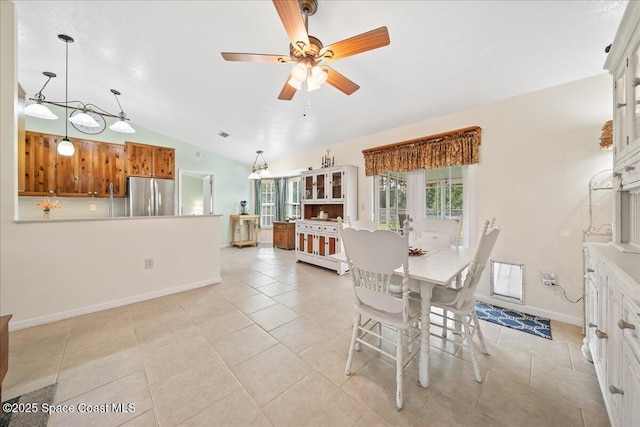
[120,218]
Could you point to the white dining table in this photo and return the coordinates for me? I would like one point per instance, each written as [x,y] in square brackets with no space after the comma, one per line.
[441,268]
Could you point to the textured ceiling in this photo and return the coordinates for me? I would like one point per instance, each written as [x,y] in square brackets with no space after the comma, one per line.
[444,56]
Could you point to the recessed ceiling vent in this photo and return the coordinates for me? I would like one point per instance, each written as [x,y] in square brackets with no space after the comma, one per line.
[223,134]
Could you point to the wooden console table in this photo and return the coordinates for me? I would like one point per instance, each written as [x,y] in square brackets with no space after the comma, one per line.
[4,349]
[248,223]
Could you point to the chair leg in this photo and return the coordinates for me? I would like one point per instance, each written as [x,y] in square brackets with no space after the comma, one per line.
[445,318]
[355,325]
[474,358]
[399,369]
[476,324]
[352,346]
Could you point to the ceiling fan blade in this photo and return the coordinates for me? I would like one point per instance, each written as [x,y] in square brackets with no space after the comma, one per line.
[357,44]
[291,17]
[254,57]
[287,92]
[339,81]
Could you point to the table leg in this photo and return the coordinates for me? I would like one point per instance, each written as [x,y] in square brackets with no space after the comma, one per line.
[423,366]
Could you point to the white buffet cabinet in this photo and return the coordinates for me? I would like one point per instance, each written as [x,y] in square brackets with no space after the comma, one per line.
[333,192]
[613,328]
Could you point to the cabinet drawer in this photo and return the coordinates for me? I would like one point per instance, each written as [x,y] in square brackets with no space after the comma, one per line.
[630,173]
[330,229]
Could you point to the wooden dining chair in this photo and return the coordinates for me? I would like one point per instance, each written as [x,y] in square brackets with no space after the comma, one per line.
[373,256]
[462,302]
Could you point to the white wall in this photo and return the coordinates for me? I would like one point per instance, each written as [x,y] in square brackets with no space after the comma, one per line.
[51,270]
[537,155]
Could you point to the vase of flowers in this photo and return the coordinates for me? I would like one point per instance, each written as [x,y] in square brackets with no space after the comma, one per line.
[47,205]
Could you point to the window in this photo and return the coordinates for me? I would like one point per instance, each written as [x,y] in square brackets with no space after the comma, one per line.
[292,204]
[267,203]
[444,192]
[428,193]
[392,200]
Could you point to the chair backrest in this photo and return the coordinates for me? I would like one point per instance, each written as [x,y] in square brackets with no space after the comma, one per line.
[451,227]
[373,256]
[481,256]
[361,224]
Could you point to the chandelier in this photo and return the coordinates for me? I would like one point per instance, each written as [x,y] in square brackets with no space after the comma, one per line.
[259,170]
[83,115]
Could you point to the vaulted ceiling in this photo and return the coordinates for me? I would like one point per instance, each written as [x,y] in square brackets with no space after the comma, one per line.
[164,57]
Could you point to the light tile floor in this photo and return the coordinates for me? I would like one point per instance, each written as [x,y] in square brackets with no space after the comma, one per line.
[268,346]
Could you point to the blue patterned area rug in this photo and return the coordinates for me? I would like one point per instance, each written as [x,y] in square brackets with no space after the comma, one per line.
[533,325]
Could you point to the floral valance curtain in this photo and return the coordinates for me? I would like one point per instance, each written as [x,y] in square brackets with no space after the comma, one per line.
[454,148]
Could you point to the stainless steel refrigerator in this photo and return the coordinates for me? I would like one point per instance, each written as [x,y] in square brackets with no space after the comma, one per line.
[150,197]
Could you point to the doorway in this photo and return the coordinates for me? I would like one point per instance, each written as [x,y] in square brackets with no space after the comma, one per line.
[196,192]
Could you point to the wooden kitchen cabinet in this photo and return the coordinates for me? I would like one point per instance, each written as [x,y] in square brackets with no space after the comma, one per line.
[284,235]
[36,164]
[91,169]
[108,167]
[149,161]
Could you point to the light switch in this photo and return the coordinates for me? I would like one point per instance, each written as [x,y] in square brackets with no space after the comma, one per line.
[92,207]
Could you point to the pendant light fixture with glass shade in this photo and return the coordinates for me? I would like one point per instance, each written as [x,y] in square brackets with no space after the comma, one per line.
[259,170]
[121,125]
[38,109]
[87,118]
[65,147]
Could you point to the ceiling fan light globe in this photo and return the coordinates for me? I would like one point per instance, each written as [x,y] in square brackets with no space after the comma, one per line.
[40,111]
[264,173]
[299,72]
[295,83]
[312,85]
[321,77]
[253,175]
[122,127]
[83,119]
[66,148]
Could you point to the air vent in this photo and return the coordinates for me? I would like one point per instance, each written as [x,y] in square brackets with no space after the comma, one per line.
[223,134]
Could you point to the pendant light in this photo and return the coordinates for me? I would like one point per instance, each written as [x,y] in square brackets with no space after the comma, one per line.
[121,125]
[38,109]
[259,170]
[65,147]
[83,115]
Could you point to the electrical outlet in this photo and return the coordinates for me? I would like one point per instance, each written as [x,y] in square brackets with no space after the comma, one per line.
[148,263]
[548,279]
[92,207]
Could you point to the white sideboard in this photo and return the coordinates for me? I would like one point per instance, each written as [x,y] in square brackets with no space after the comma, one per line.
[327,194]
[613,328]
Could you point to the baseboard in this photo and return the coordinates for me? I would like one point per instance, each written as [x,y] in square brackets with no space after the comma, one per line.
[22,324]
[560,317]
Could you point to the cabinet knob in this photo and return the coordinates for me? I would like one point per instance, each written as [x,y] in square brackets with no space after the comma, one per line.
[625,325]
[592,325]
[590,270]
[601,334]
[615,390]
[50,191]
[628,168]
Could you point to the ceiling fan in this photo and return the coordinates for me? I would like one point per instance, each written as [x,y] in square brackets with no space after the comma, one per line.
[308,53]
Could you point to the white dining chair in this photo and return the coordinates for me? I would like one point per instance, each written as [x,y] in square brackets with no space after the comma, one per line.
[373,256]
[361,224]
[462,302]
[435,234]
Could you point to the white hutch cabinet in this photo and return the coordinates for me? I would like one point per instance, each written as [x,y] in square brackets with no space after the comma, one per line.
[612,276]
[330,192]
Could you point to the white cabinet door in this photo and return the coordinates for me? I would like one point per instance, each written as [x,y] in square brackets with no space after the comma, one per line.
[613,360]
[631,387]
